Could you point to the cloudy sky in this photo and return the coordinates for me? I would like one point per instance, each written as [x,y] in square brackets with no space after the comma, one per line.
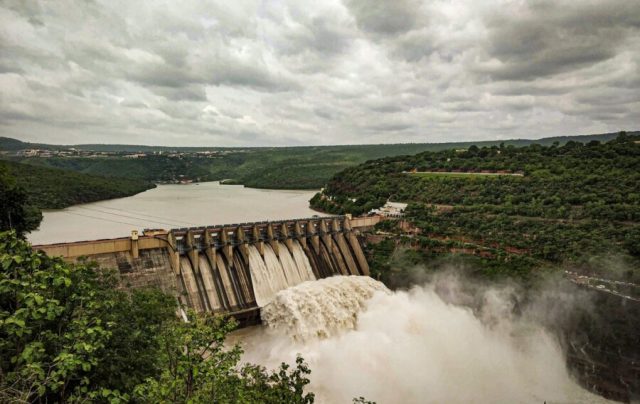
[279,72]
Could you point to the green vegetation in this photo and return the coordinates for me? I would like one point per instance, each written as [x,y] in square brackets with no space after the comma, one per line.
[458,175]
[49,188]
[199,369]
[67,334]
[308,167]
[15,144]
[574,202]
[147,169]
[18,212]
[59,326]
[275,168]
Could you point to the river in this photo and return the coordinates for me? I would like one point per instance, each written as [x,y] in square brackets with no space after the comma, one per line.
[171,206]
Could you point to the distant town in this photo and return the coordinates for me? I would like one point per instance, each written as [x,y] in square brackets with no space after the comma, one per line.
[73,152]
[182,166]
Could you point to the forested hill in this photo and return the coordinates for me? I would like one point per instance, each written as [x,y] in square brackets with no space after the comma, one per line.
[7,143]
[307,167]
[565,203]
[564,181]
[50,188]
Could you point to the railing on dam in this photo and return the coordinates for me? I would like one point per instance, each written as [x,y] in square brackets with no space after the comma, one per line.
[156,238]
[234,268]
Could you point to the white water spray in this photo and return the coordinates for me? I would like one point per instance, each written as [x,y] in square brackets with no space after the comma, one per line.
[303,266]
[272,274]
[320,309]
[409,347]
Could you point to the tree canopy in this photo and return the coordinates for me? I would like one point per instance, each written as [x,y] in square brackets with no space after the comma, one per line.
[17,213]
[511,209]
[51,188]
[69,334]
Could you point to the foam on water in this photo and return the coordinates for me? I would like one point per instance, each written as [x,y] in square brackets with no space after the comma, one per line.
[320,309]
[408,347]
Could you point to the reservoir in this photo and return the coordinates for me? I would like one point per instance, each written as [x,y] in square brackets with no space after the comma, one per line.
[171,206]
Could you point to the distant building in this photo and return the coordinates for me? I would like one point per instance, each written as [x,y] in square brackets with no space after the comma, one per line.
[391,209]
[29,152]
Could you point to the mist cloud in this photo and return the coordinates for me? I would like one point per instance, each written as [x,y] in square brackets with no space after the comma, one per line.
[447,341]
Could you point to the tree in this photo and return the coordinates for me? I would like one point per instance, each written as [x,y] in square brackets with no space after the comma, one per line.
[199,369]
[68,334]
[16,211]
[64,328]
[50,324]
[132,353]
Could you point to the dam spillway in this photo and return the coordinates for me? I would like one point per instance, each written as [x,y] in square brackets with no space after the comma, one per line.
[229,269]
[233,268]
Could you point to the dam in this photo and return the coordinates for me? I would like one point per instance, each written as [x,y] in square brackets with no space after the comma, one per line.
[230,269]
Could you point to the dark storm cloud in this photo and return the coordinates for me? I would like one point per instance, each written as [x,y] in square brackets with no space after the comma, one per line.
[229,72]
[182,93]
[415,45]
[385,17]
[550,37]
[389,127]
[336,71]
[386,107]
[319,34]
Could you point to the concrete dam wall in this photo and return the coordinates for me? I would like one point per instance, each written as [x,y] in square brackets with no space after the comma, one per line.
[231,269]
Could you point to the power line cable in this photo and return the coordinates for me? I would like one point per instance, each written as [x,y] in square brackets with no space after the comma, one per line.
[142,219]
[152,216]
[130,217]
[100,218]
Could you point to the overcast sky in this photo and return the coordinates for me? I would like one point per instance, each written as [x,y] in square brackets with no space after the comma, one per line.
[227,73]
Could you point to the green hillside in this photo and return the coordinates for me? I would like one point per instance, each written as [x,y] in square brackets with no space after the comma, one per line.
[307,167]
[50,188]
[572,203]
[15,144]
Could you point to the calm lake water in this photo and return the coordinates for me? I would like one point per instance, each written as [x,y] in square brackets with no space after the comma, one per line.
[171,206]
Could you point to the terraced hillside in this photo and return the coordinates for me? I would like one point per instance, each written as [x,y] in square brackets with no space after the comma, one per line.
[571,204]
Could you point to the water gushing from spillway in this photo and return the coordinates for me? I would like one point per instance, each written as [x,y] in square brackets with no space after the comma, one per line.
[413,346]
[320,309]
[275,273]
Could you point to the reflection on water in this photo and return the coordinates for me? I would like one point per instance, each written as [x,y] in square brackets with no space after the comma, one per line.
[171,206]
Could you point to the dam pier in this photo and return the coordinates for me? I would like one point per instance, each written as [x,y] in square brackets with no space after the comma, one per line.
[229,269]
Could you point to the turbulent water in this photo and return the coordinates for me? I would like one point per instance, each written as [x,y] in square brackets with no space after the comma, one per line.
[320,309]
[360,339]
[273,274]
